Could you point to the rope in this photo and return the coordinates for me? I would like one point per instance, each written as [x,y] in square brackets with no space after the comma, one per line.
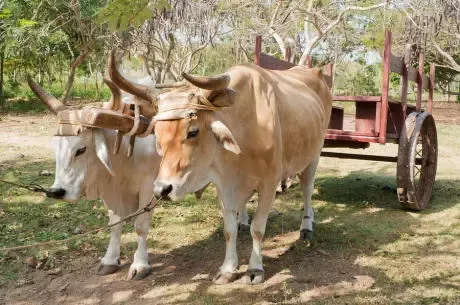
[150,206]
[190,106]
[31,187]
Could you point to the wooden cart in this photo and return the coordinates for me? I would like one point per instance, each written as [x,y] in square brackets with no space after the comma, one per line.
[380,119]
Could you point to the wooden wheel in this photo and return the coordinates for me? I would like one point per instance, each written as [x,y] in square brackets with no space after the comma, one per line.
[417,160]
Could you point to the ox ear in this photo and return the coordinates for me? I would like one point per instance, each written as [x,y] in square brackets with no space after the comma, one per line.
[221,98]
[102,151]
[225,137]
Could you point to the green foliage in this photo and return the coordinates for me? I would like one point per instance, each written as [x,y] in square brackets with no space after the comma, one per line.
[122,14]
[358,79]
[26,23]
[23,100]
[216,59]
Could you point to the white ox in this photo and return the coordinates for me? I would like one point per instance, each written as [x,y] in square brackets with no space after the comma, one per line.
[244,131]
[86,167]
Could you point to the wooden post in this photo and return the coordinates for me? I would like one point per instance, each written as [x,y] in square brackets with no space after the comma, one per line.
[421,72]
[308,63]
[258,49]
[405,81]
[287,56]
[385,87]
[429,105]
[329,69]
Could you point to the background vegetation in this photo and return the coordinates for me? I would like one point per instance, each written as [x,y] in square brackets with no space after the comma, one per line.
[64,44]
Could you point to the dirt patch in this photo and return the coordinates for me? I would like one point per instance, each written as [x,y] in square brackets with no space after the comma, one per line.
[447,113]
[26,135]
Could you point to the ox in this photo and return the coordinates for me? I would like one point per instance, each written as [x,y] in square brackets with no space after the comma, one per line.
[245,131]
[84,167]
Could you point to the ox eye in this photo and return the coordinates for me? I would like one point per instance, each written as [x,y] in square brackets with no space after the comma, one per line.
[193,132]
[80,151]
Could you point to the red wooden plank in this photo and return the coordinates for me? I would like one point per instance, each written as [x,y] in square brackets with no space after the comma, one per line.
[396,64]
[421,73]
[405,81]
[352,138]
[309,61]
[429,105]
[385,84]
[336,121]
[329,70]
[287,56]
[365,117]
[331,154]
[357,98]
[352,133]
[258,49]
[328,80]
[413,76]
[273,63]
[348,144]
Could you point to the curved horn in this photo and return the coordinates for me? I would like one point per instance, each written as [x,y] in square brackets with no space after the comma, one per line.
[209,83]
[141,91]
[50,101]
[115,100]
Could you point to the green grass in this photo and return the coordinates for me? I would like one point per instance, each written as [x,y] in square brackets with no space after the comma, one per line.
[24,100]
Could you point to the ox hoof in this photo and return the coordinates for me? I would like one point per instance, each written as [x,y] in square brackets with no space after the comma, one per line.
[138,272]
[254,276]
[223,278]
[107,269]
[306,235]
[244,228]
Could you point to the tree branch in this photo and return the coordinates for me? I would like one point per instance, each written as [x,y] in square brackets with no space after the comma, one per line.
[271,29]
[453,64]
[320,34]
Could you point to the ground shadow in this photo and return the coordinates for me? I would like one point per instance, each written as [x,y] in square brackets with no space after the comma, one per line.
[357,217]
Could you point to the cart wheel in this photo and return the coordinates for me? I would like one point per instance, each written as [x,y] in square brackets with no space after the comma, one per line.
[417,160]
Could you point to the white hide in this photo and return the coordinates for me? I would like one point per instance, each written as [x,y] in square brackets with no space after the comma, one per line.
[123,183]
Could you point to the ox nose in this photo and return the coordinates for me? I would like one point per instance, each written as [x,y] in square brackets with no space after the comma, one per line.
[56,193]
[162,189]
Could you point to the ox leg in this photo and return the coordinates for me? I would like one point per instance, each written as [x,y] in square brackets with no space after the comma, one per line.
[140,268]
[255,273]
[227,272]
[110,263]
[243,217]
[243,220]
[307,180]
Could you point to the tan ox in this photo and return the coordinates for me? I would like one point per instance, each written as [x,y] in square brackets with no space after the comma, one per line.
[244,131]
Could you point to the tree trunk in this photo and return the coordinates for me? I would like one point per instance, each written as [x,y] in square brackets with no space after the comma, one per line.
[73,69]
[448,92]
[2,99]
[97,85]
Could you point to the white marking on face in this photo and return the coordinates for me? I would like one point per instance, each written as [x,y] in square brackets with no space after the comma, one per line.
[74,155]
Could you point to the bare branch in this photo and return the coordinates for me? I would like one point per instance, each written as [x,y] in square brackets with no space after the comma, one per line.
[453,64]
[320,34]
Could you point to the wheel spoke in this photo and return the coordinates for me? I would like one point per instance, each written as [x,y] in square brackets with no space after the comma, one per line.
[417,173]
